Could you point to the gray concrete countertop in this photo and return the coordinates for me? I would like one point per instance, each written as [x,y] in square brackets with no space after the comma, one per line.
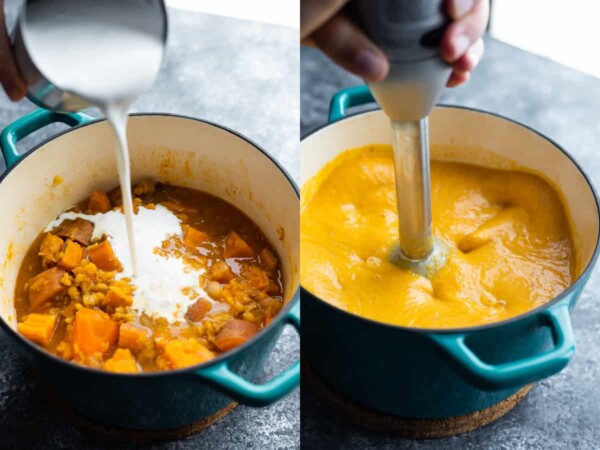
[561,412]
[240,74]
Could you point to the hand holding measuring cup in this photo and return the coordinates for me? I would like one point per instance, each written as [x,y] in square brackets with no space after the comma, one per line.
[12,82]
[325,25]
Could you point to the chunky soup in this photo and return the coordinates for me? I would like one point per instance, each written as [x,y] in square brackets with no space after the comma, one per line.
[507,231]
[208,280]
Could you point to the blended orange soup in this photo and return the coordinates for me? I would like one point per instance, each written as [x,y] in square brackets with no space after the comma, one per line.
[510,246]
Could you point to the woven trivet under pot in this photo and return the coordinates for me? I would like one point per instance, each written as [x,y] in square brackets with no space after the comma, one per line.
[134,436]
[409,427]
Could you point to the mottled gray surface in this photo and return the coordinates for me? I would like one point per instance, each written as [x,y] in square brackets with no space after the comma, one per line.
[561,412]
[240,74]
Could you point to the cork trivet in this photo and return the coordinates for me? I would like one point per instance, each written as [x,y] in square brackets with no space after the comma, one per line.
[146,436]
[410,427]
[136,436]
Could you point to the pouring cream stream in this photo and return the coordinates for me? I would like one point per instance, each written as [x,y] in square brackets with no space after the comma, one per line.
[107,53]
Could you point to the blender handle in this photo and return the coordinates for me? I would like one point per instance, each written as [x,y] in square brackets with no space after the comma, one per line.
[349,98]
[31,123]
[513,374]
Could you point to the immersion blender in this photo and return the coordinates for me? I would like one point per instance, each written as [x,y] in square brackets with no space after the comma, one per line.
[409,33]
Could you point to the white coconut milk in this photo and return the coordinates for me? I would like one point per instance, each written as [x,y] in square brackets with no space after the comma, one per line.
[160,280]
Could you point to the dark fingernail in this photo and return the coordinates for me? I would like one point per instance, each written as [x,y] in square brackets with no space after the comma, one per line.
[371,65]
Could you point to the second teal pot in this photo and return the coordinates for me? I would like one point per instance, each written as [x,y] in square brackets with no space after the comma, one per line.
[428,373]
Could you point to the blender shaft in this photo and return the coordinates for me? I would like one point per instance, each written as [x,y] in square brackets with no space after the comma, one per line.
[411,161]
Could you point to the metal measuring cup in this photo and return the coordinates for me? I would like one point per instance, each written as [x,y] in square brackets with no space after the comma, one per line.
[41,90]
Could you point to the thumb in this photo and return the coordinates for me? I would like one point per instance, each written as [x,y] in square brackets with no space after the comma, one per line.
[12,82]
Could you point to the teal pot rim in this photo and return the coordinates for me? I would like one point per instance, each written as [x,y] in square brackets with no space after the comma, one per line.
[577,284]
[288,315]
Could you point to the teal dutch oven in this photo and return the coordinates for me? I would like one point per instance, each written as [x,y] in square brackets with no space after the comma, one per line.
[440,373]
[173,149]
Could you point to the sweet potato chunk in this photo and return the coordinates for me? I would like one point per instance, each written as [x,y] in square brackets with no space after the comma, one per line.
[39,327]
[99,202]
[117,296]
[121,362]
[144,187]
[234,333]
[236,247]
[72,255]
[271,305]
[50,249]
[94,331]
[45,286]
[267,259]
[103,257]
[197,310]
[132,336]
[256,277]
[221,272]
[180,353]
[78,230]
[192,237]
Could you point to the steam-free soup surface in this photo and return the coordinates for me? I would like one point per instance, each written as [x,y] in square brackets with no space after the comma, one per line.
[509,238]
[209,281]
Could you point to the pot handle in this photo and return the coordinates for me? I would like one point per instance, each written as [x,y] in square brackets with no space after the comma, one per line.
[252,394]
[31,123]
[349,98]
[515,373]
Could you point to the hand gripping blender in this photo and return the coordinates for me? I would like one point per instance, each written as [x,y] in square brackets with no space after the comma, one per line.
[409,33]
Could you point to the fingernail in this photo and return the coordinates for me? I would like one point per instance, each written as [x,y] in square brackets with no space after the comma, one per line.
[370,65]
[462,7]
[461,44]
